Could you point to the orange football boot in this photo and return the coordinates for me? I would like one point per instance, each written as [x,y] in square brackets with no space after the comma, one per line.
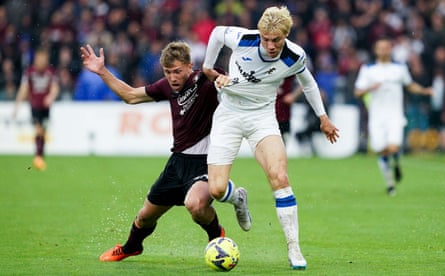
[116,254]
[39,163]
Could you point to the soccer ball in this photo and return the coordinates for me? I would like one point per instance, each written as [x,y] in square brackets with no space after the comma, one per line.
[222,254]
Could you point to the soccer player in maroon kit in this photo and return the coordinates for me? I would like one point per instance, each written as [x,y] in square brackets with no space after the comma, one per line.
[193,99]
[285,98]
[40,86]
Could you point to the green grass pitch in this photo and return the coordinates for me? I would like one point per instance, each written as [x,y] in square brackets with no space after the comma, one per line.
[59,221]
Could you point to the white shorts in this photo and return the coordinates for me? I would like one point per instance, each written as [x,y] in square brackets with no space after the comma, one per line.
[229,127]
[383,133]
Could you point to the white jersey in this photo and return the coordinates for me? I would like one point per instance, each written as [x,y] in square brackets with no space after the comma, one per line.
[386,102]
[255,77]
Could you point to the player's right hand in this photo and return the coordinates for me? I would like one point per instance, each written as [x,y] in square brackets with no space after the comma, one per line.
[91,61]
[222,81]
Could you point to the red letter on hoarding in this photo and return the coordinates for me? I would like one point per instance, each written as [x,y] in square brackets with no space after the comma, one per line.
[130,123]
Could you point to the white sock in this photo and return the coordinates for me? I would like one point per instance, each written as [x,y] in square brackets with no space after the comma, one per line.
[386,171]
[228,195]
[286,206]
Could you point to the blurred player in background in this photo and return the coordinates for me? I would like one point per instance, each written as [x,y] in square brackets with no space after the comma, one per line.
[259,62]
[383,82]
[285,98]
[193,99]
[40,86]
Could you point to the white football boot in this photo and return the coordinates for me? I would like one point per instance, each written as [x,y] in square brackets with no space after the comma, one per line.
[296,259]
[241,209]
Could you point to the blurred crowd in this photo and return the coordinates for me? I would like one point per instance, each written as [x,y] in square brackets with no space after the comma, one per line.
[336,34]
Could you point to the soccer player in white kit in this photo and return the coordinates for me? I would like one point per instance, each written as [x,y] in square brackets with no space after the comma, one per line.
[384,81]
[260,60]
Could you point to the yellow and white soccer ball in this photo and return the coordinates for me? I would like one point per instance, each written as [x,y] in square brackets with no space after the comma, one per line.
[222,254]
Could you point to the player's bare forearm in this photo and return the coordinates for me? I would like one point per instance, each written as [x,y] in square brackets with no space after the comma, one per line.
[329,129]
[211,73]
[418,89]
[22,93]
[53,94]
[96,64]
[358,93]
[361,92]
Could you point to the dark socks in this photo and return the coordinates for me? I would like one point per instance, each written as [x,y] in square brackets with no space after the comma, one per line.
[136,237]
[395,156]
[40,144]
[213,229]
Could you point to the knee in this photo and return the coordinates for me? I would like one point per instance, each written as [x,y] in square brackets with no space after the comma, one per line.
[217,187]
[196,206]
[278,179]
[216,192]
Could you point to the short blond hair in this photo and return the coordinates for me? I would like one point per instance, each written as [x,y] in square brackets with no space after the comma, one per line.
[175,51]
[275,19]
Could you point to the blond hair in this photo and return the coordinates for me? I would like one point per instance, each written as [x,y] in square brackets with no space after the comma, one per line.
[275,19]
[175,51]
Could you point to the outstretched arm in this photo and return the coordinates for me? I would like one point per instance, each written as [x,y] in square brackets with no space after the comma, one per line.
[53,93]
[416,88]
[361,92]
[216,42]
[313,96]
[96,64]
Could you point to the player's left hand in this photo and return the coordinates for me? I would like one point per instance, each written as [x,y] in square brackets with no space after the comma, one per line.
[222,81]
[328,128]
[47,101]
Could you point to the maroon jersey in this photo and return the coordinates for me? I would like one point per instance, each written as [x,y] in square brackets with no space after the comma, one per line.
[191,109]
[39,84]
[282,108]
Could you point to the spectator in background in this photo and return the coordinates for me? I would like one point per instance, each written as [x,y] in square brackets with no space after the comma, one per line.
[40,86]
[326,75]
[438,98]
[90,87]
[149,68]
[99,36]
[417,106]
[320,30]
[203,26]
[8,80]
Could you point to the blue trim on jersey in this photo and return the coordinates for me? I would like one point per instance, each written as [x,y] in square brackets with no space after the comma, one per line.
[249,40]
[289,57]
[286,202]
[304,68]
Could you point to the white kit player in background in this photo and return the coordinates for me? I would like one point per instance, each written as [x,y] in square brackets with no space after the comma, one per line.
[260,60]
[384,81]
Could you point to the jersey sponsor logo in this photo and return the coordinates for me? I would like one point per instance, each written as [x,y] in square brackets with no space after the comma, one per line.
[40,83]
[271,70]
[246,58]
[186,99]
[249,76]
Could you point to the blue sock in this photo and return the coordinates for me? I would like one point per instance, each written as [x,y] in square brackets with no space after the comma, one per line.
[228,196]
[384,160]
